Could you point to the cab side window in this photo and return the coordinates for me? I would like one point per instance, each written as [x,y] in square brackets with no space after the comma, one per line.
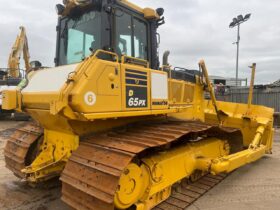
[140,39]
[123,34]
[131,36]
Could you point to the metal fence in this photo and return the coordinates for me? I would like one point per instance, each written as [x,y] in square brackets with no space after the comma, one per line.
[269,97]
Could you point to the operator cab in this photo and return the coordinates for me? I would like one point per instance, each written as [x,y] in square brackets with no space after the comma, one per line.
[115,26]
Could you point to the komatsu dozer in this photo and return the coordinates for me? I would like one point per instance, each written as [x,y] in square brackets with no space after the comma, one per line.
[121,131]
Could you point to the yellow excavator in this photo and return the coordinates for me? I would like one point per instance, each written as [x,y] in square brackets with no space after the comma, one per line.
[20,47]
[11,76]
[121,130]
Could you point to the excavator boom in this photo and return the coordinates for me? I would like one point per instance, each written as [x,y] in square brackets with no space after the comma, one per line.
[20,47]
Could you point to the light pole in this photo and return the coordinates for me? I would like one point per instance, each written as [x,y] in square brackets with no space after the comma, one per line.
[236,22]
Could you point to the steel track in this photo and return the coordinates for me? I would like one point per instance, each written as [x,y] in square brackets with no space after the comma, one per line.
[17,150]
[187,193]
[91,176]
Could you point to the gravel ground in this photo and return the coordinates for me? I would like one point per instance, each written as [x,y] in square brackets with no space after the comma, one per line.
[255,186]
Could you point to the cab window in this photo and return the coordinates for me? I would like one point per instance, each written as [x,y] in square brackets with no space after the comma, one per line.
[131,36]
[123,34]
[140,39]
[79,37]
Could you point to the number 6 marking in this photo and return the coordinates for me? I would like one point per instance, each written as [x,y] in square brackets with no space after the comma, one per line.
[90,98]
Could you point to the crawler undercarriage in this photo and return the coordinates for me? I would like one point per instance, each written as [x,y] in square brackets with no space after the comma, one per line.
[125,168]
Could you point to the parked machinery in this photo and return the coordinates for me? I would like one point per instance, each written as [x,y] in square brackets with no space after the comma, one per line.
[11,76]
[120,131]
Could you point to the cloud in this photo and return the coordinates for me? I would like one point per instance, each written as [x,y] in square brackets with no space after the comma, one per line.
[39,18]
[194,29]
[199,29]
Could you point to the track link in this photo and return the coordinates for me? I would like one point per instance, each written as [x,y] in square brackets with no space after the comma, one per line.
[91,176]
[188,192]
[17,151]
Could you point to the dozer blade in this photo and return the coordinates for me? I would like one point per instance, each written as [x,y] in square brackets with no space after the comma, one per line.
[18,151]
[92,174]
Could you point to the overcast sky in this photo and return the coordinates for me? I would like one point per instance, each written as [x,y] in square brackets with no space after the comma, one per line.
[194,29]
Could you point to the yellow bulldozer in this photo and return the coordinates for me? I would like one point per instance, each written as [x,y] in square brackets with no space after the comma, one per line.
[121,130]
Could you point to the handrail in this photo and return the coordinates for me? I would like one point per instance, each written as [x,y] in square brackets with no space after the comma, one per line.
[136,61]
[99,51]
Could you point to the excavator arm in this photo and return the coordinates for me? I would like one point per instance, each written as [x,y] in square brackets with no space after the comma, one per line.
[20,46]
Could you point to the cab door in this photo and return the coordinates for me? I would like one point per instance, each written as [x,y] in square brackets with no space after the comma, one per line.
[131,32]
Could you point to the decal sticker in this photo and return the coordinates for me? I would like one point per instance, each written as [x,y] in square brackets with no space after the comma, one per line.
[136,97]
[160,103]
[90,98]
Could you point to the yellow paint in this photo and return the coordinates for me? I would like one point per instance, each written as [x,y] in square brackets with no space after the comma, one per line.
[210,88]
[10,99]
[250,97]
[56,149]
[150,13]
[236,160]
[237,117]
[20,47]
[231,162]
[149,184]
[93,99]
[147,12]
[107,81]
[132,186]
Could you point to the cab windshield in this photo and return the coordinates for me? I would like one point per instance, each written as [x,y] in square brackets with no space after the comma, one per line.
[79,37]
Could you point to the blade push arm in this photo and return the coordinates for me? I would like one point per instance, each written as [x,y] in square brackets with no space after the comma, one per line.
[202,66]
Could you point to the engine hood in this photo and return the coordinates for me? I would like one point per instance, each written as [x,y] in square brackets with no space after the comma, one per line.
[44,86]
[49,80]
